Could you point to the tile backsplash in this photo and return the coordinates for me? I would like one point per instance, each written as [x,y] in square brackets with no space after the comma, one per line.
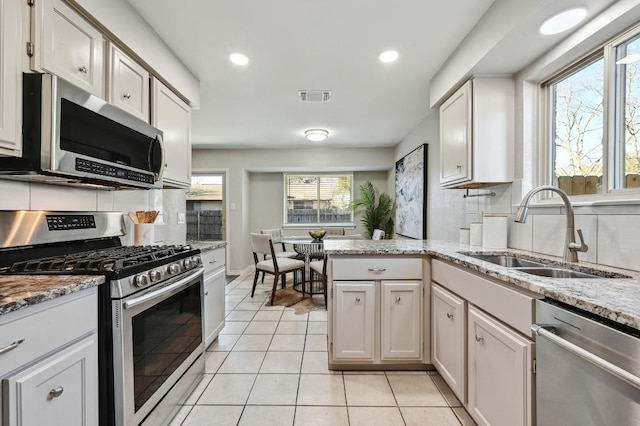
[18,195]
[612,233]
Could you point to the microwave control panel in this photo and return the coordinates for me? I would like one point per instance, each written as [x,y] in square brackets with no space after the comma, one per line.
[95,168]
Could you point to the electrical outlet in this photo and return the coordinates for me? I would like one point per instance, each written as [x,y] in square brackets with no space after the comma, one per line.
[182,219]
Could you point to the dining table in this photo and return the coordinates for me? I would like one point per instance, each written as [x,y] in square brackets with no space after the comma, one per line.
[310,249]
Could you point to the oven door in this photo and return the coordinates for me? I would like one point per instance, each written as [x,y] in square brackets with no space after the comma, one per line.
[157,336]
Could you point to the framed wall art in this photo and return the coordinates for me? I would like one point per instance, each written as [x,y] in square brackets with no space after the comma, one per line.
[411,194]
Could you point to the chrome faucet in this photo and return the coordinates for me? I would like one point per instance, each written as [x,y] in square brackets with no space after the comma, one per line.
[571,248]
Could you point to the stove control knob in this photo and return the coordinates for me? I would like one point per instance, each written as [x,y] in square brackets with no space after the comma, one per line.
[173,269]
[188,263]
[196,260]
[155,275]
[140,280]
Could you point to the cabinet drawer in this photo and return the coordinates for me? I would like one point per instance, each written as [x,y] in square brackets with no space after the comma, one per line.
[46,327]
[505,302]
[213,260]
[378,268]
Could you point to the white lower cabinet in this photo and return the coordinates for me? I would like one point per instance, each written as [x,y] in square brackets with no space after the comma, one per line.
[489,353]
[401,320]
[214,303]
[499,372]
[353,326]
[376,311]
[448,344]
[49,362]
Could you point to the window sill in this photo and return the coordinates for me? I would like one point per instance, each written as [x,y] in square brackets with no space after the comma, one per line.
[609,204]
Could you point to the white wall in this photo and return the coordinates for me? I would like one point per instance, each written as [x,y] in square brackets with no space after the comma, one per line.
[252,173]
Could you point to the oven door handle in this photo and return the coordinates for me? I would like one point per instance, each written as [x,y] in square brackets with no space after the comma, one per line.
[547,332]
[175,287]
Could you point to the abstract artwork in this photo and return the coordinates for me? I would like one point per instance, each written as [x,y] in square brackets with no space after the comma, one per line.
[411,194]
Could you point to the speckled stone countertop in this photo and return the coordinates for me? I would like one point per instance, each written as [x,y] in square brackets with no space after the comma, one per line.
[617,299]
[21,291]
[207,245]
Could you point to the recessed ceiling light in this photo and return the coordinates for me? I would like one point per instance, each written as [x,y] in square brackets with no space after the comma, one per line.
[316,135]
[388,56]
[563,21]
[239,58]
[629,59]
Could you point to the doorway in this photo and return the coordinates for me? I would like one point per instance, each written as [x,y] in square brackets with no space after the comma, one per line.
[206,219]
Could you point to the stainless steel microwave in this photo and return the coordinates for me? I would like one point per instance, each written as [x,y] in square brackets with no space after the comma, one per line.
[70,136]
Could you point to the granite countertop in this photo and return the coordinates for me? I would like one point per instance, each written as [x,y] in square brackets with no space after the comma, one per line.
[207,245]
[21,291]
[617,299]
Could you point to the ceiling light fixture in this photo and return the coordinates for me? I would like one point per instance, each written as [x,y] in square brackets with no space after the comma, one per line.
[562,21]
[239,58]
[388,56]
[316,135]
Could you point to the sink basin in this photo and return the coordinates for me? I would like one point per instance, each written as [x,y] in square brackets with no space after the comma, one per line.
[557,273]
[505,260]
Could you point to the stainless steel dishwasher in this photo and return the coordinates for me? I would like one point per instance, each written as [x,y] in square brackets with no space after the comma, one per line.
[587,371]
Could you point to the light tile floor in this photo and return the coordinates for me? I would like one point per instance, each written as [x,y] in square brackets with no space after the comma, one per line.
[269,367]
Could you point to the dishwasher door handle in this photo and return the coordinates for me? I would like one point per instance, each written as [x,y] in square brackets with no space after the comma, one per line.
[622,374]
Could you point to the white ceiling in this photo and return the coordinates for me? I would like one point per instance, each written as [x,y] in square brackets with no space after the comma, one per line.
[326,45]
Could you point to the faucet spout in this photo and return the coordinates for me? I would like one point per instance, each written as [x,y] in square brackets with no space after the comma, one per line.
[571,248]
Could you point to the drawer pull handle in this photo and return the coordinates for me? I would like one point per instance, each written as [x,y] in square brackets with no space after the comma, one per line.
[449,315]
[11,347]
[127,96]
[398,299]
[377,269]
[479,338]
[212,262]
[83,70]
[357,300]
[56,392]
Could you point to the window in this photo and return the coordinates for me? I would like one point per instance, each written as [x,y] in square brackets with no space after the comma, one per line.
[594,121]
[318,199]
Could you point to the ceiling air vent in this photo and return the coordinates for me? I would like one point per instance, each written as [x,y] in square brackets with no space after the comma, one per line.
[314,95]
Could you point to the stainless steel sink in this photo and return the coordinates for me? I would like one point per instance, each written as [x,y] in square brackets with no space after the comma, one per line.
[556,273]
[506,261]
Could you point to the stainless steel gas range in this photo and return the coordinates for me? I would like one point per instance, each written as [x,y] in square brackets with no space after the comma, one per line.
[149,311]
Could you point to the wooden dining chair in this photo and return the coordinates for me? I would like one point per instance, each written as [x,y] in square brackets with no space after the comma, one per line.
[261,245]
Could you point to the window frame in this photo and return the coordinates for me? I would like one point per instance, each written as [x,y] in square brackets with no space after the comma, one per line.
[611,157]
[285,222]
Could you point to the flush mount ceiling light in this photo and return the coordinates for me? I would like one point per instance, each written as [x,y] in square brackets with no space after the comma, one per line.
[563,21]
[388,56]
[316,135]
[239,58]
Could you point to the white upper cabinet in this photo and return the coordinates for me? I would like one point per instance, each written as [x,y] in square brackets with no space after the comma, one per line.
[476,134]
[173,116]
[10,77]
[128,84]
[65,44]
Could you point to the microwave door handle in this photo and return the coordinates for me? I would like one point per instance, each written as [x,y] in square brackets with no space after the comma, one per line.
[158,141]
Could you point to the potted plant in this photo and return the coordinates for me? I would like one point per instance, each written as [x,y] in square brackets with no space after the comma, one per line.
[378,212]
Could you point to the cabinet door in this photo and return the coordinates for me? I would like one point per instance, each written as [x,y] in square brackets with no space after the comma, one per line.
[173,117]
[455,137]
[499,372]
[128,84]
[68,46]
[60,390]
[448,325]
[353,320]
[401,325]
[213,306]
[10,78]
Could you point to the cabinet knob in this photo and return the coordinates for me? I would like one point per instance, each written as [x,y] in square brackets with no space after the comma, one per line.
[83,70]
[127,96]
[398,299]
[449,315]
[357,300]
[479,338]
[459,167]
[56,392]
[206,293]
